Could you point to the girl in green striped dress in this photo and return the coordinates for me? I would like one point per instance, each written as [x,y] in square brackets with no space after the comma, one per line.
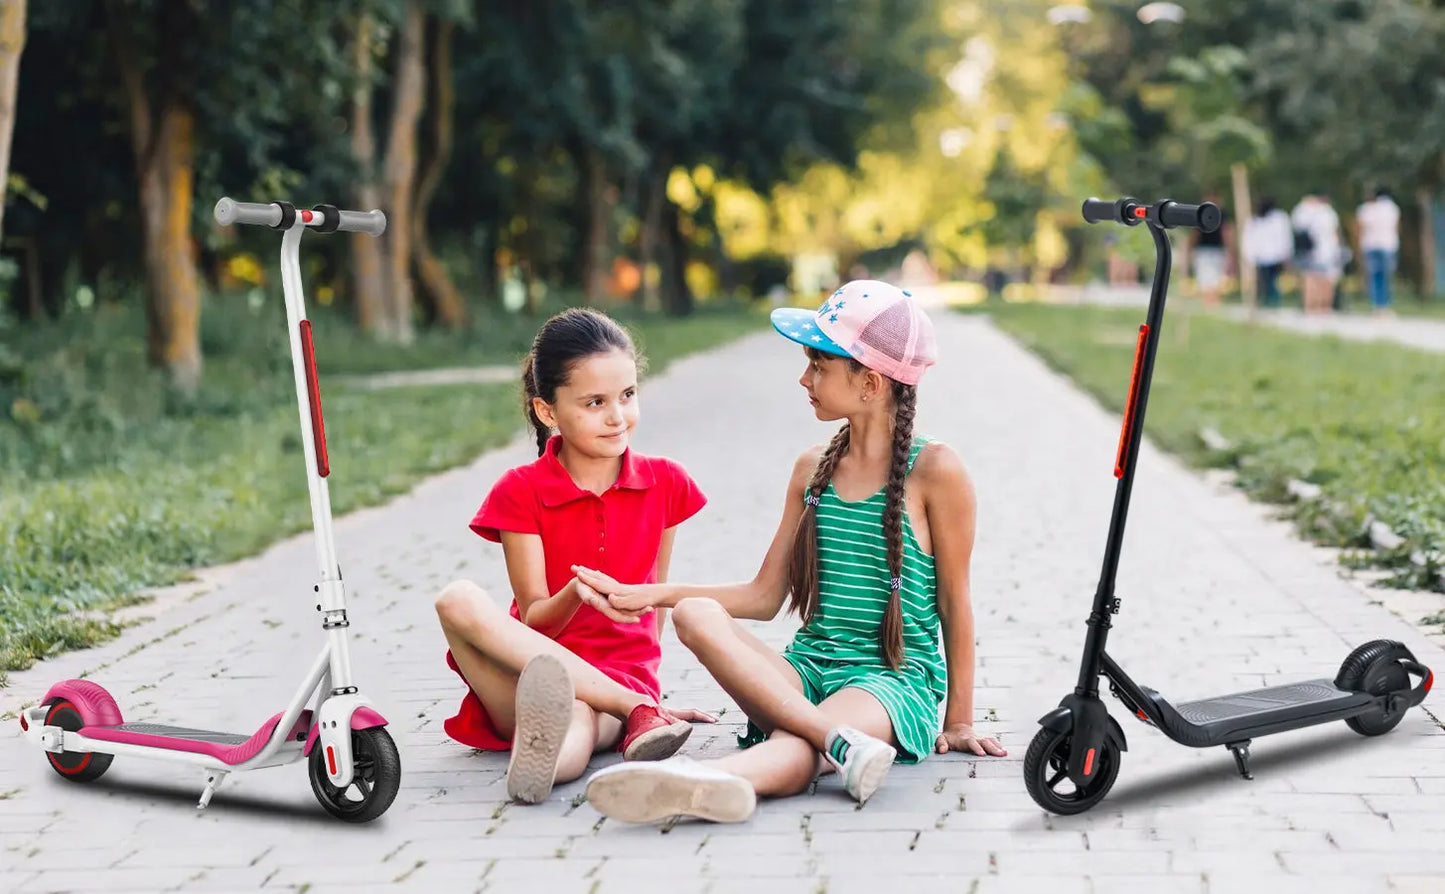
[873,550]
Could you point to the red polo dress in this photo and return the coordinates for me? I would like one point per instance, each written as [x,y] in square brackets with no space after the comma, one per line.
[617,532]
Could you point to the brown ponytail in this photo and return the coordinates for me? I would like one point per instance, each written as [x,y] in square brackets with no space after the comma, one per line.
[529,391]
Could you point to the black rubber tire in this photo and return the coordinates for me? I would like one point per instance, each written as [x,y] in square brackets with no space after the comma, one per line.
[1046,758]
[77,766]
[1375,668]
[377,777]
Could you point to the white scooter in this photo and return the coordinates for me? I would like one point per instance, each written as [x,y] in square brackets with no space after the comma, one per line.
[354,766]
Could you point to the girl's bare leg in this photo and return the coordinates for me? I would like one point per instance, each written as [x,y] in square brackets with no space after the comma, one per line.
[785,764]
[491,648]
[768,691]
[588,733]
[771,694]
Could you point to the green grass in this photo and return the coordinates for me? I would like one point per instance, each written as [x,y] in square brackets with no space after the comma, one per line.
[1361,420]
[108,484]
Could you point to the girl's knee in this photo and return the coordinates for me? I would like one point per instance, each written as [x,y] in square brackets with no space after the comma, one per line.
[694,619]
[798,760]
[460,600]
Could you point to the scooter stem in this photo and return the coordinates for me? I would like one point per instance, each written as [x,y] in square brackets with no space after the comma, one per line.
[330,590]
[1130,436]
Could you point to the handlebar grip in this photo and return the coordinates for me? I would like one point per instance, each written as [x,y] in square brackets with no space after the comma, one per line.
[372,222]
[229,211]
[1204,217]
[1098,210]
[1127,211]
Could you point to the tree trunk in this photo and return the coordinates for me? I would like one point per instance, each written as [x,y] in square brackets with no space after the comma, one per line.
[366,251]
[596,247]
[1426,199]
[677,297]
[164,147]
[1243,211]
[12,44]
[446,302]
[647,240]
[400,170]
[524,244]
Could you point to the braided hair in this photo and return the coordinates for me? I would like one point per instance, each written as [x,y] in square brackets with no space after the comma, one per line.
[803,567]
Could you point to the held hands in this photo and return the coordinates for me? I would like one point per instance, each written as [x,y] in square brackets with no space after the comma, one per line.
[589,596]
[961,737]
[627,598]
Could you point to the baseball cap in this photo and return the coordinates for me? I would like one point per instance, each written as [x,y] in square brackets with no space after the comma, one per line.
[879,325]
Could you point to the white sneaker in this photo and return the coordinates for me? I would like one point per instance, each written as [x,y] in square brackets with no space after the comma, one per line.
[644,792]
[544,711]
[860,759]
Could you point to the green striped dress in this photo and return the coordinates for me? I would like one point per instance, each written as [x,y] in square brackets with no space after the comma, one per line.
[842,647]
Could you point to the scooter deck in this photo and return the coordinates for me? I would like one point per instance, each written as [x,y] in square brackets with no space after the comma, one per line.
[228,748]
[1256,712]
[166,731]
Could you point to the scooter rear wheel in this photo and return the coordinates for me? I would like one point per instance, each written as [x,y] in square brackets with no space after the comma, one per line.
[77,766]
[1047,779]
[1374,668]
[375,779]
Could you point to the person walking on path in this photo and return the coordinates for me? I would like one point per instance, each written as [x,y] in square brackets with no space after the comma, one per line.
[1318,251]
[1267,244]
[874,547]
[1377,230]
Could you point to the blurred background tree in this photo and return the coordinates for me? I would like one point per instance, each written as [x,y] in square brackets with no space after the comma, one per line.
[661,153]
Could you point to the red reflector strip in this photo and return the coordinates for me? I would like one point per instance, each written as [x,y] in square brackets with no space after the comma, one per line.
[1141,211]
[313,391]
[1089,763]
[1429,680]
[1128,426]
[331,760]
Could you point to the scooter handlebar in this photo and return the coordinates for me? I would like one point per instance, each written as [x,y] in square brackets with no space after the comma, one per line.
[1121,211]
[229,211]
[282,215]
[1166,214]
[1204,217]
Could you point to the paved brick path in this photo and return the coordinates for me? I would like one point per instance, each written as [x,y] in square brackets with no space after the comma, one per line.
[1216,597]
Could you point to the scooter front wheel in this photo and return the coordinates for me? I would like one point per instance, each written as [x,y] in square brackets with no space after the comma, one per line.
[375,779]
[1046,774]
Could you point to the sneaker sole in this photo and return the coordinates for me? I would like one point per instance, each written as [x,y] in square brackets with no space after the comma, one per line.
[647,794]
[544,711]
[873,773]
[658,744]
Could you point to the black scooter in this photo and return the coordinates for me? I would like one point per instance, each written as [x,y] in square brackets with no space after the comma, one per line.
[1074,758]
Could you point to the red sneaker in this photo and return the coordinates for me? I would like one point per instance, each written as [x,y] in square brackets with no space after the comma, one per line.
[652,736]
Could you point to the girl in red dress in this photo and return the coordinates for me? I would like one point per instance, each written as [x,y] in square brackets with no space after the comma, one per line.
[562,673]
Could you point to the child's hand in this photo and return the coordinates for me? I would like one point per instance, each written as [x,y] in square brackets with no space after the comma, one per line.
[591,597]
[691,715]
[961,737]
[625,597]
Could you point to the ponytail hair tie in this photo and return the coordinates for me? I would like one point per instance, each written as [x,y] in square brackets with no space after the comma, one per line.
[811,500]
[896,583]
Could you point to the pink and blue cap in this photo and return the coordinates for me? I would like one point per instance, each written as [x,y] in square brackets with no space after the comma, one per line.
[879,325]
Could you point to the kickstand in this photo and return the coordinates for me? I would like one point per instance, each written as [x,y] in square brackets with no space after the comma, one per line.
[213,782]
[1241,757]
